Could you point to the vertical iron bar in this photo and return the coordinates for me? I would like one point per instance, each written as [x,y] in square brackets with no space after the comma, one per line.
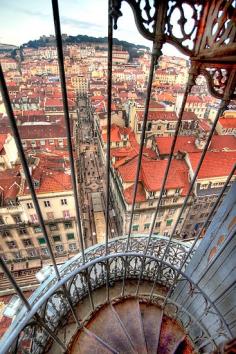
[27,304]
[108,157]
[57,26]
[9,110]
[188,88]
[154,59]
[200,233]
[109,96]
[60,56]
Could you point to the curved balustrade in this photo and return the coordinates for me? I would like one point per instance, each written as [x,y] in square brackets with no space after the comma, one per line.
[50,303]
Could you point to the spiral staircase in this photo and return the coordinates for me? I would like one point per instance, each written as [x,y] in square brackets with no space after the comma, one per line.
[132,326]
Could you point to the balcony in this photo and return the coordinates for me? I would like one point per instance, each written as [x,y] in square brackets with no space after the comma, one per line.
[145,293]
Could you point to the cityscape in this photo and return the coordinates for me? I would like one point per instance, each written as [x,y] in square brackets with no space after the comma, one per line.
[135,205]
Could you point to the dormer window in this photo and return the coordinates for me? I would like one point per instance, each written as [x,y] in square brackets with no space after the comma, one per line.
[36,183]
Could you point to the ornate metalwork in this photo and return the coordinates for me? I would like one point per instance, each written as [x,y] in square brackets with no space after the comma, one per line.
[51,304]
[203,30]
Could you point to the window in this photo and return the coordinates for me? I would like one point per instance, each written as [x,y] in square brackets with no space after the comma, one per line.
[204,186]
[51,141]
[172,211]
[166,233]
[37,229]
[63,201]
[16,255]
[47,203]
[50,215]
[53,227]
[149,126]
[135,227]
[27,242]
[68,225]
[57,238]
[17,218]
[42,142]
[150,203]
[137,205]
[161,213]
[23,231]
[1,220]
[158,224]
[70,236]
[146,226]
[181,220]
[44,251]
[136,217]
[72,247]
[11,244]
[66,214]
[34,218]
[59,248]
[41,240]
[32,253]
[29,205]
[175,200]
[5,233]
[177,190]
[169,222]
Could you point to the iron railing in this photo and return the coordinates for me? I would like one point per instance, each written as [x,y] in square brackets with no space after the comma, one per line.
[217,65]
[50,302]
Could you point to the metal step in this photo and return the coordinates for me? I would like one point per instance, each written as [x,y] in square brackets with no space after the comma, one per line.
[106,326]
[171,335]
[129,313]
[88,343]
[152,318]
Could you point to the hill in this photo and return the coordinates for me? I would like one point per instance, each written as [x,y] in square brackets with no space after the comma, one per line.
[133,49]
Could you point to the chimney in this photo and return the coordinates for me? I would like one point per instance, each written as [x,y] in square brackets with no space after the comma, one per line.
[200,140]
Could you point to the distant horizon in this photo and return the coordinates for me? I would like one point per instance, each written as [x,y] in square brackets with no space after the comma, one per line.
[175,53]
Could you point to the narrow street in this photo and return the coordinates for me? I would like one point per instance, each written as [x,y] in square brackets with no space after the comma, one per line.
[91,175]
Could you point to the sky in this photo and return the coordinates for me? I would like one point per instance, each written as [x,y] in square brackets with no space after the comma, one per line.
[24,20]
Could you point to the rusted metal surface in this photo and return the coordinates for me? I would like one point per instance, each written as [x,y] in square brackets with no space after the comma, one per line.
[87,344]
[144,324]
[106,326]
[171,336]
[152,318]
[129,313]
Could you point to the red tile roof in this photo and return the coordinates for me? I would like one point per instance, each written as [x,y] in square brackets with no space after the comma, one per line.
[10,181]
[50,181]
[228,122]
[166,115]
[183,144]
[140,196]
[215,164]
[152,173]
[187,144]
[2,140]
[42,131]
